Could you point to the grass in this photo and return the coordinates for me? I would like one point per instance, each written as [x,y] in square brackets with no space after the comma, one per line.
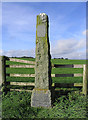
[53,61]
[20,70]
[66,70]
[54,79]
[70,105]
[18,79]
[63,61]
[67,79]
[17,105]
[53,71]
[20,87]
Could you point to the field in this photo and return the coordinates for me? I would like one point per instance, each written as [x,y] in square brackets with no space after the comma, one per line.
[66,105]
[53,71]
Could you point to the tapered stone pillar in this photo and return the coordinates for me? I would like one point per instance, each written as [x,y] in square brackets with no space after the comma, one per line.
[41,95]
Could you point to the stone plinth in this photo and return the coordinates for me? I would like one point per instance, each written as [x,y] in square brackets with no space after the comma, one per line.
[41,95]
[41,98]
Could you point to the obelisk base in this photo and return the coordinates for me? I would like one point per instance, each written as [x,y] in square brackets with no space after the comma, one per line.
[41,98]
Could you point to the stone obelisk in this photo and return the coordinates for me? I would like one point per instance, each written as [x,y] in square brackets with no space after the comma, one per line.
[41,94]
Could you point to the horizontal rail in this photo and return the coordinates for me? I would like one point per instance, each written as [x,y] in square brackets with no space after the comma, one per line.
[67,85]
[21,66]
[78,66]
[21,61]
[55,66]
[67,66]
[33,62]
[22,83]
[22,75]
[78,75]
[53,84]
[20,90]
[52,75]
[68,75]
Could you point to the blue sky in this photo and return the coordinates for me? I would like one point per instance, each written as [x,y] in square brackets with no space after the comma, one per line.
[67,28]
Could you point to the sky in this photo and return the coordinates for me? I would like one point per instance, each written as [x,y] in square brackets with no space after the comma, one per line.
[67,28]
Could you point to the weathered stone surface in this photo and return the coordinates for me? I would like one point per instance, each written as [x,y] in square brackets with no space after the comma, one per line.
[42,64]
[41,30]
[41,98]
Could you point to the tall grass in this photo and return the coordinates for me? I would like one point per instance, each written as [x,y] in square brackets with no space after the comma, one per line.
[17,105]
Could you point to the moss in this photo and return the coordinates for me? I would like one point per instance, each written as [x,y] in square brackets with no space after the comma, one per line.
[38,89]
[43,39]
[42,49]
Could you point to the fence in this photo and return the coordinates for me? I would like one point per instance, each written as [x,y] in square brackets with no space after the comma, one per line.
[5,83]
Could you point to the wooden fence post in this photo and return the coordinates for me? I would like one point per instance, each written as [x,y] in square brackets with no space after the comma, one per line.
[85,77]
[3,72]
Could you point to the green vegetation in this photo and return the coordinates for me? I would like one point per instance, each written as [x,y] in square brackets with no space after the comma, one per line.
[20,70]
[66,70]
[20,87]
[67,79]
[63,61]
[67,104]
[18,79]
[17,105]
[53,71]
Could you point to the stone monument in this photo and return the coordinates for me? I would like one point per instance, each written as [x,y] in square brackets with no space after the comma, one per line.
[41,94]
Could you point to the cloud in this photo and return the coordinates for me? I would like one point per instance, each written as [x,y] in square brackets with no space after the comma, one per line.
[19,53]
[1,52]
[85,32]
[19,26]
[76,55]
[81,44]
[70,48]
